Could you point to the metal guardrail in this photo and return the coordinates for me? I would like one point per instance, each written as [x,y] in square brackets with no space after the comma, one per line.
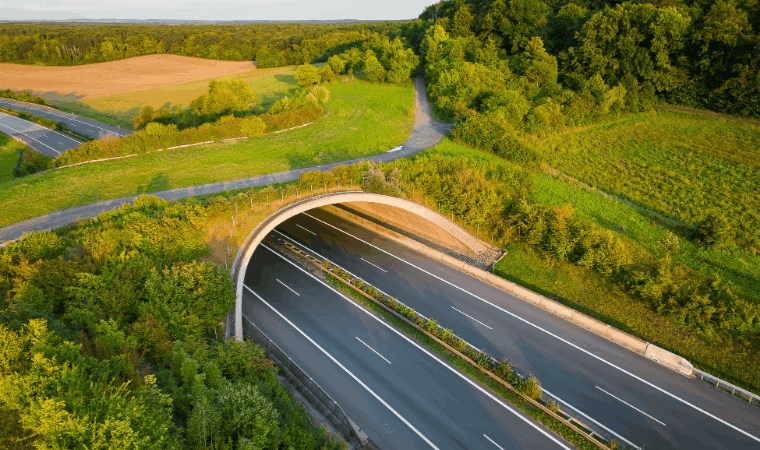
[728,387]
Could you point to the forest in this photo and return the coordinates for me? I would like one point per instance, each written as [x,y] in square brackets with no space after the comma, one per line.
[269,45]
[109,333]
[503,68]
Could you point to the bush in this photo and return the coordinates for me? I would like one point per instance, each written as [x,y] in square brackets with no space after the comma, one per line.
[308,75]
[532,388]
[31,162]
[715,230]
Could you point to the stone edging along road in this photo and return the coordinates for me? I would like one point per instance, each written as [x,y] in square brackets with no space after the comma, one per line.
[427,133]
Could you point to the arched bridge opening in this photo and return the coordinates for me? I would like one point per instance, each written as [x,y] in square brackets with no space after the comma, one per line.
[359,201]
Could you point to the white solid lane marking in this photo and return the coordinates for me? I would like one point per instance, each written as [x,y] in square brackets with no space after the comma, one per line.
[423,350]
[590,419]
[343,368]
[375,351]
[75,120]
[470,317]
[492,441]
[628,404]
[288,287]
[21,133]
[374,265]
[306,230]
[577,347]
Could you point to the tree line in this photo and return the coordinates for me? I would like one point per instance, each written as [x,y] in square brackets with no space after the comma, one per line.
[269,45]
[225,112]
[379,59]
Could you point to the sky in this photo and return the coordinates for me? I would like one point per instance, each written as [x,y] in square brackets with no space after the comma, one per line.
[212,9]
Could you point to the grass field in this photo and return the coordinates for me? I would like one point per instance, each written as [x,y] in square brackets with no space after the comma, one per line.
[643,231]
[8,157]
[679,164]
[362,119]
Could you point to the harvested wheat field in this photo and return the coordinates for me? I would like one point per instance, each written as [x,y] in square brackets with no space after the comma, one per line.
[116,77]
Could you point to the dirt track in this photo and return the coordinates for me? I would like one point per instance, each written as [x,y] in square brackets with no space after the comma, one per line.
[127,75]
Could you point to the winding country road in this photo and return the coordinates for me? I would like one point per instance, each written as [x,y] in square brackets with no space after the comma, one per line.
[427,133]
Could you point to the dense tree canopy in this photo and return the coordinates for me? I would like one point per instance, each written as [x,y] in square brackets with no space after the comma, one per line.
[605,57]
[107,334]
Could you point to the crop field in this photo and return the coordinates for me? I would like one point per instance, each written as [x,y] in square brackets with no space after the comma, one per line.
[362,119]
[679,164]
[109,78]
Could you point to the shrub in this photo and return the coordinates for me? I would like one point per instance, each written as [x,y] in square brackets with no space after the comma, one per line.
[308,75]
[532,388]
[715,230]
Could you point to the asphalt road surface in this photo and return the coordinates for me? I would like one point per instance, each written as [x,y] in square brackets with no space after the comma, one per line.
[401,395]
[642,403]
[81,125]
[44,140]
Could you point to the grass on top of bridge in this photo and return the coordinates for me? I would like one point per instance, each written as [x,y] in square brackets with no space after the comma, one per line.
[362,119]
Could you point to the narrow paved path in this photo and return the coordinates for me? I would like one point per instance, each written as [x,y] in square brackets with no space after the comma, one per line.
[36,137]
[427,133]
[81,125]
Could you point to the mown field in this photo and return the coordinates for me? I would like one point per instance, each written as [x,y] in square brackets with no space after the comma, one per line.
[108,78]
[682,165]
[362,119]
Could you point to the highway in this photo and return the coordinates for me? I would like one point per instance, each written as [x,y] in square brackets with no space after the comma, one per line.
[78,124]
[400,394]
[642,403]
[44,140]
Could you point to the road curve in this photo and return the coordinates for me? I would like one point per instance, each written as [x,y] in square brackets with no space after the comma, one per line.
[78,124]
[427,133]
[400,394]
[37,137]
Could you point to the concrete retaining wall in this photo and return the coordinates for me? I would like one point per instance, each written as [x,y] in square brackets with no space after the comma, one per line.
[650,351]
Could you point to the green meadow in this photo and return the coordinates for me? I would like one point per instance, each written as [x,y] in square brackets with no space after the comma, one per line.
[362,119]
